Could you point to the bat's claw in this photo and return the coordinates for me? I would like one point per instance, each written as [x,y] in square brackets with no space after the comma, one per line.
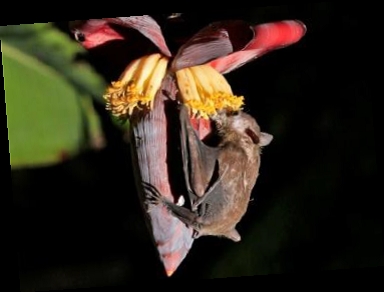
[152,196]
[196,234]
[181,201]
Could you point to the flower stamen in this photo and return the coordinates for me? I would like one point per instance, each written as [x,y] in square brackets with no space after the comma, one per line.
[205,91]
[137,86]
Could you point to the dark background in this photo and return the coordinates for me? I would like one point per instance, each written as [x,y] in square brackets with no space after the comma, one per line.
[315,205]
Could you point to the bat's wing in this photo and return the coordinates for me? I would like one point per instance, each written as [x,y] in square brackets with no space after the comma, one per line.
[199,160]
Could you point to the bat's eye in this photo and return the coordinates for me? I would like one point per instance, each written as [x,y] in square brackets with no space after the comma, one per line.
[255,138]
[80,37]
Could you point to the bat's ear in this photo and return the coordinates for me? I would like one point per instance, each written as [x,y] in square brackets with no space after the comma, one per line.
[233,235]
[265,139]
[253,136]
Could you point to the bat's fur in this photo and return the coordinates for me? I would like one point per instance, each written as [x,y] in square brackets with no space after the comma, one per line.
[219,180]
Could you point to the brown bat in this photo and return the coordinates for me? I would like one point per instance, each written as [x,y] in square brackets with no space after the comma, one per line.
[219,179]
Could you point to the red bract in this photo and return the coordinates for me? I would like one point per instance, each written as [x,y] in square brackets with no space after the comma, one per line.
[225,46]
[267,37]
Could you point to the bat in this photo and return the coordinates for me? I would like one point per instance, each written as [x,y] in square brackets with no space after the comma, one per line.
[219,178]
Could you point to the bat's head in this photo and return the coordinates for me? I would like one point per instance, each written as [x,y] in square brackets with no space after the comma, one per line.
[243,125]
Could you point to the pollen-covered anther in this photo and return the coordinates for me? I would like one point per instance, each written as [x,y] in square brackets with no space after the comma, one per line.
[137,86]
[205,91]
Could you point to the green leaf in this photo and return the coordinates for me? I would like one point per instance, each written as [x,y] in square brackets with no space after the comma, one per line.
[50,115]
[55,49]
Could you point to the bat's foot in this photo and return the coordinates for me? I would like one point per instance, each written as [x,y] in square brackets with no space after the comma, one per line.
[152,196]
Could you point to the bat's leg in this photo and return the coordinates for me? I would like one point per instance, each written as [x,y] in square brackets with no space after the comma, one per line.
[203,209]
[201,200]
[183,214]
